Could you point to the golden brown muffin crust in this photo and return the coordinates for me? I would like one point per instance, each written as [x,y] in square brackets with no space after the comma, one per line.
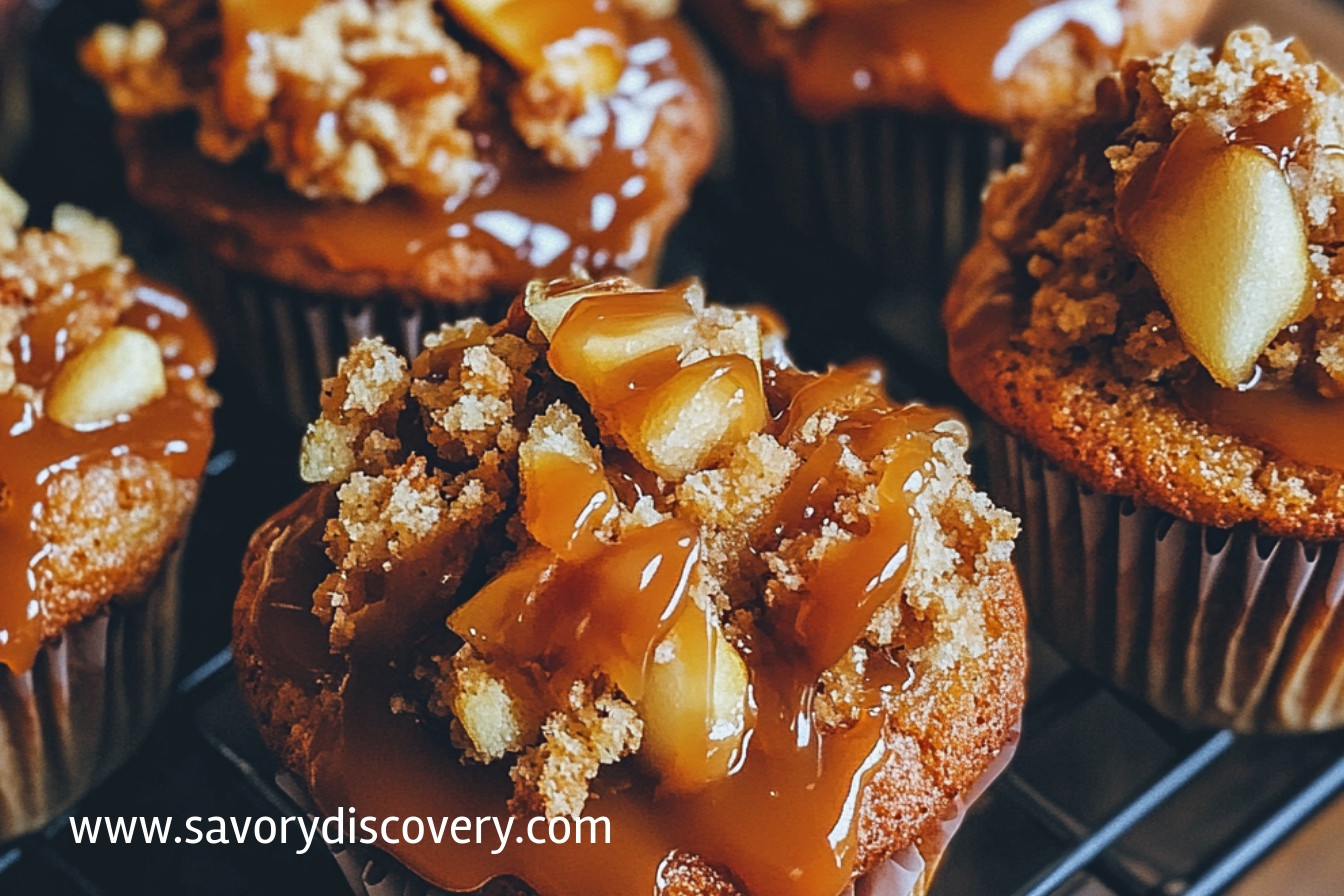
[1060,333]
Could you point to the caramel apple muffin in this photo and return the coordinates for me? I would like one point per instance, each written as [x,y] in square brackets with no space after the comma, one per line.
[758,619]
[105,424]
[1155,315]
[344,168]
[873,125]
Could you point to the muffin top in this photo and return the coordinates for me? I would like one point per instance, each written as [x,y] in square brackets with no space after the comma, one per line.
[105,423]
[1002,61]
[1156,299]
[449,149]
[758,618]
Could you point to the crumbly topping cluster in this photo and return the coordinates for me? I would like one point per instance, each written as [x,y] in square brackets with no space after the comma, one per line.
[361,96]
[1090,293]
[76,265]
[440,465]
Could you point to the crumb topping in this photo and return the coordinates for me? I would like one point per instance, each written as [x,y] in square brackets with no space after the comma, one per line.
[1091,291]
[1099,366]
[497,436]
[352,97]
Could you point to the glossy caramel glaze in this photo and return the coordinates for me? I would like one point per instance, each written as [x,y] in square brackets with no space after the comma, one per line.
[818,780]
[174,430]
[523,215]
[933,55]
[786,822]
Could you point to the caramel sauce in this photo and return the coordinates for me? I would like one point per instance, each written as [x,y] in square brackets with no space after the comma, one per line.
[784,821]
[606,612]
[524,217]
[615,346]
[1290,421]
[565,503]
[239,19]
[525,31]
[1279,137]
[924,54]
[854,580]
[174,430]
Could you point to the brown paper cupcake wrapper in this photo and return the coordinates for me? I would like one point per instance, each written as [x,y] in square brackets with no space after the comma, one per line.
[86,704]
[285,341]
[1209,626]
[899,192]
[907,873]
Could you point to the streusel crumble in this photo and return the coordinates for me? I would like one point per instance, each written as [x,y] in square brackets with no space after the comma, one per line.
[1097,368]
[682,581]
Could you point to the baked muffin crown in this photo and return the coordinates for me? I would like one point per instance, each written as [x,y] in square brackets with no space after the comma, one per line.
[677,574]
[1161,275]
[104,420]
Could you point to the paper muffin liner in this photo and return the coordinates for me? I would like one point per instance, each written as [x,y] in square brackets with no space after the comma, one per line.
[285,341]
[86,704]
[1210,626]
[896,191]
[909,872]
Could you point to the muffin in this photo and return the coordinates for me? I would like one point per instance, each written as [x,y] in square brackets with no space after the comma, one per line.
[105,424]
[760,620]
[1154,314]
[340,168]
[873,125]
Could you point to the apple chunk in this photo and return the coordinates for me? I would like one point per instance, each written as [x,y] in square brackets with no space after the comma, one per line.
[1222,236]
[696,704]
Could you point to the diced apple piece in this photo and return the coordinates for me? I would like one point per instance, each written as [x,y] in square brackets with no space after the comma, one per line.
[120,371]
[696,705]
[695,417]
[1220,232]
[547,302]
[525,31]
[566,496]
[611,345]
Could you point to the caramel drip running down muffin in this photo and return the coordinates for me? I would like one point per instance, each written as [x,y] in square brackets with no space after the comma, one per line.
[759,619]
[1157,299]
[104,424]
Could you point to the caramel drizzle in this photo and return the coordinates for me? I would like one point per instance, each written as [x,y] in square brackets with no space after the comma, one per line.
[785,821]
[174,430]
[524,217]
[855,55]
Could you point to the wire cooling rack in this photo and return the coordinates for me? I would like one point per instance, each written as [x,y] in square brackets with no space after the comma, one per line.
[1104,796]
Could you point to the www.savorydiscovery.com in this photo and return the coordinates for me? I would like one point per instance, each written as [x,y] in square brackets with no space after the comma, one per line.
[344,828]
